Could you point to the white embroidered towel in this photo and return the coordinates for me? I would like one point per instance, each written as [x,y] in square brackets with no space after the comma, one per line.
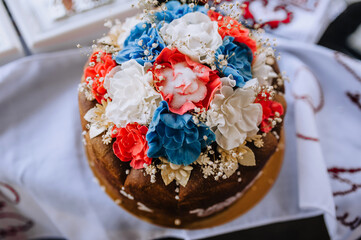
[48,185]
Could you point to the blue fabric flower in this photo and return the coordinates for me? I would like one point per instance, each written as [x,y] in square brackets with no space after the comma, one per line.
[143,45]
[177,10]
[176,137]
[238,62]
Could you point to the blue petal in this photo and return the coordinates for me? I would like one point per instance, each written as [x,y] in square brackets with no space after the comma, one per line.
[185,155]
[177,10]
[210,136]
[170,144]
[160,128]
[172,120]
[191,138]
[131,50]
[155,148]
[136,32]
[191,128]
[177,136]
[163,107]
[239,65]
[175,121]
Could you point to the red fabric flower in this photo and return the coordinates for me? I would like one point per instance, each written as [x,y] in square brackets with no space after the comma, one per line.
[103,63]
[131,145]
[227,26]
[183,83]
[269,108]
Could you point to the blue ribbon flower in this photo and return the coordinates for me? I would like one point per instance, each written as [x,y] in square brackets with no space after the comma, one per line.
[238,58]
[176,137]
[143,45]
[177,10]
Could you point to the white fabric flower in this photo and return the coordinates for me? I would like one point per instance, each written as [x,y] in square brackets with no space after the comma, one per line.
[194,35]
[261,69]
[228,81]
[133,97]
[234,116]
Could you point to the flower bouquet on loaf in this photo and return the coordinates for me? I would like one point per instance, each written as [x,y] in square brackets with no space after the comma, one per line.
[182,110]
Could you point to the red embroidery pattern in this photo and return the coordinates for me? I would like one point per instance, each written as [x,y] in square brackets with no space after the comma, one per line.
[345,65]
[355,98]
[273,24]
[12,190]
[299,135]
[23,224]
[343,170]
[308,5]
[12,230]
[352,224]
[335,174]
[308,98]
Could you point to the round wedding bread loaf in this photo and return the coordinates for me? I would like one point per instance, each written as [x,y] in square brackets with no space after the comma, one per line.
[182,113]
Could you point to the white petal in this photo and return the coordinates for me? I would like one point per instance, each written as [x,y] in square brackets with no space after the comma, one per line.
[233,116]
[187,33]
[89,116]
[95,131]
[133,98]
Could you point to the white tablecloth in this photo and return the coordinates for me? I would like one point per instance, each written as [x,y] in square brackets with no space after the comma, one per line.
[308,19]
[47,189]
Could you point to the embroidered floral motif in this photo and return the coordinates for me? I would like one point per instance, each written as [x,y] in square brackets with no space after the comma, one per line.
[273,24]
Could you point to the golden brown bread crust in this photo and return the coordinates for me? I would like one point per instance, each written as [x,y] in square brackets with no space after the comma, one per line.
[155,202]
